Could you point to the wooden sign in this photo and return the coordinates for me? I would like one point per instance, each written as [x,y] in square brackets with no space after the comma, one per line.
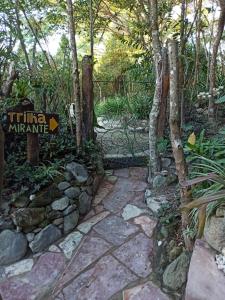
[32,122]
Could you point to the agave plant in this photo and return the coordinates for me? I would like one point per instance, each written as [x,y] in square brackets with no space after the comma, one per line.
[212,196]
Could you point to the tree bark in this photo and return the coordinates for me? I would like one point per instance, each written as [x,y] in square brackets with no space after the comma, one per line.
[153,117]
[75,74]
[175,132]
[2,161]
[213,63]
[87,96]
[162,120]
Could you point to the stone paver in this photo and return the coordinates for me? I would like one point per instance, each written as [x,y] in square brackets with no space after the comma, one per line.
[122,173]
[139,173]
[131,211]
[135,254]
[205,281]
[147,291]
[91,250]
[105,279]
[36,283]
[117,200]
[70,243]
[147,224]
[87,225]
[115,230]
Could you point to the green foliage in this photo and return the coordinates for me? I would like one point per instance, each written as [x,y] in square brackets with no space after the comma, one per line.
[138,106]
[163,145]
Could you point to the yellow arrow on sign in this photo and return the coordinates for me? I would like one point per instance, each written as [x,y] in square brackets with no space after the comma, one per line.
[53,124]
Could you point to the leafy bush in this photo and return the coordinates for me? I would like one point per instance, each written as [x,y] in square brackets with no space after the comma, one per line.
[137,105]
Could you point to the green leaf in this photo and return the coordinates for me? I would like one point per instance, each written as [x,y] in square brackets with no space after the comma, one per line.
[220,100]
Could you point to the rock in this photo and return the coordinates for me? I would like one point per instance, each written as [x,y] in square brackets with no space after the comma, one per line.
[174,253]
[112,179]
[79,171]
[37,230]
[60,204]
[58,222]
[84,203]
[90,180]
[175,274]
[13,246]
[220,212]
[62,186]
[146,291]
[70,221]
[54,214]
[19,268]
[205,281]
[69,209]
[30,236]
[73,192]
[28,217]
[45,238]
[159,181]
[6,223]
[154,203]
[214,232]
[88,190]
[148,193]
[166,162]
[46,197]
[132,211]
[70,243]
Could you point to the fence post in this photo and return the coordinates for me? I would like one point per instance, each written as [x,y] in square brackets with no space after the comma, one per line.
[88,98]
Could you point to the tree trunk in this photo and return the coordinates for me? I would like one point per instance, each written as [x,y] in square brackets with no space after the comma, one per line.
[175,132]
[75,73]
[20,35]
[153,117]
[87,96]
[213,63]
[162,120]
[91,28]
[2,142]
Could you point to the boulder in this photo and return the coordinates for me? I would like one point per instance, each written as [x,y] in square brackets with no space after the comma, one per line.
[28,217]
[46,197]
[45,238]
[214,232]
[175,274]
[69,209]
[78,171]
[60,204]
[70,221]
[84,203]
[13,246]
[73,192]
[62,186]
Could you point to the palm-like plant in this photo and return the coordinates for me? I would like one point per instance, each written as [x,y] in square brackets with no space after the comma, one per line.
[211,196]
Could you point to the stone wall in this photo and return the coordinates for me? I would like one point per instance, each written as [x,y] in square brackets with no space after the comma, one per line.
[34,222]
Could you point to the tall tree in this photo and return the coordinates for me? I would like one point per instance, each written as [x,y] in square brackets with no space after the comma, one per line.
[175,132]
[153,117]
[213,62]
[75,74]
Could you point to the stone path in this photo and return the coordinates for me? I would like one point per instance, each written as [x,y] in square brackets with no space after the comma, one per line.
[108,256]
